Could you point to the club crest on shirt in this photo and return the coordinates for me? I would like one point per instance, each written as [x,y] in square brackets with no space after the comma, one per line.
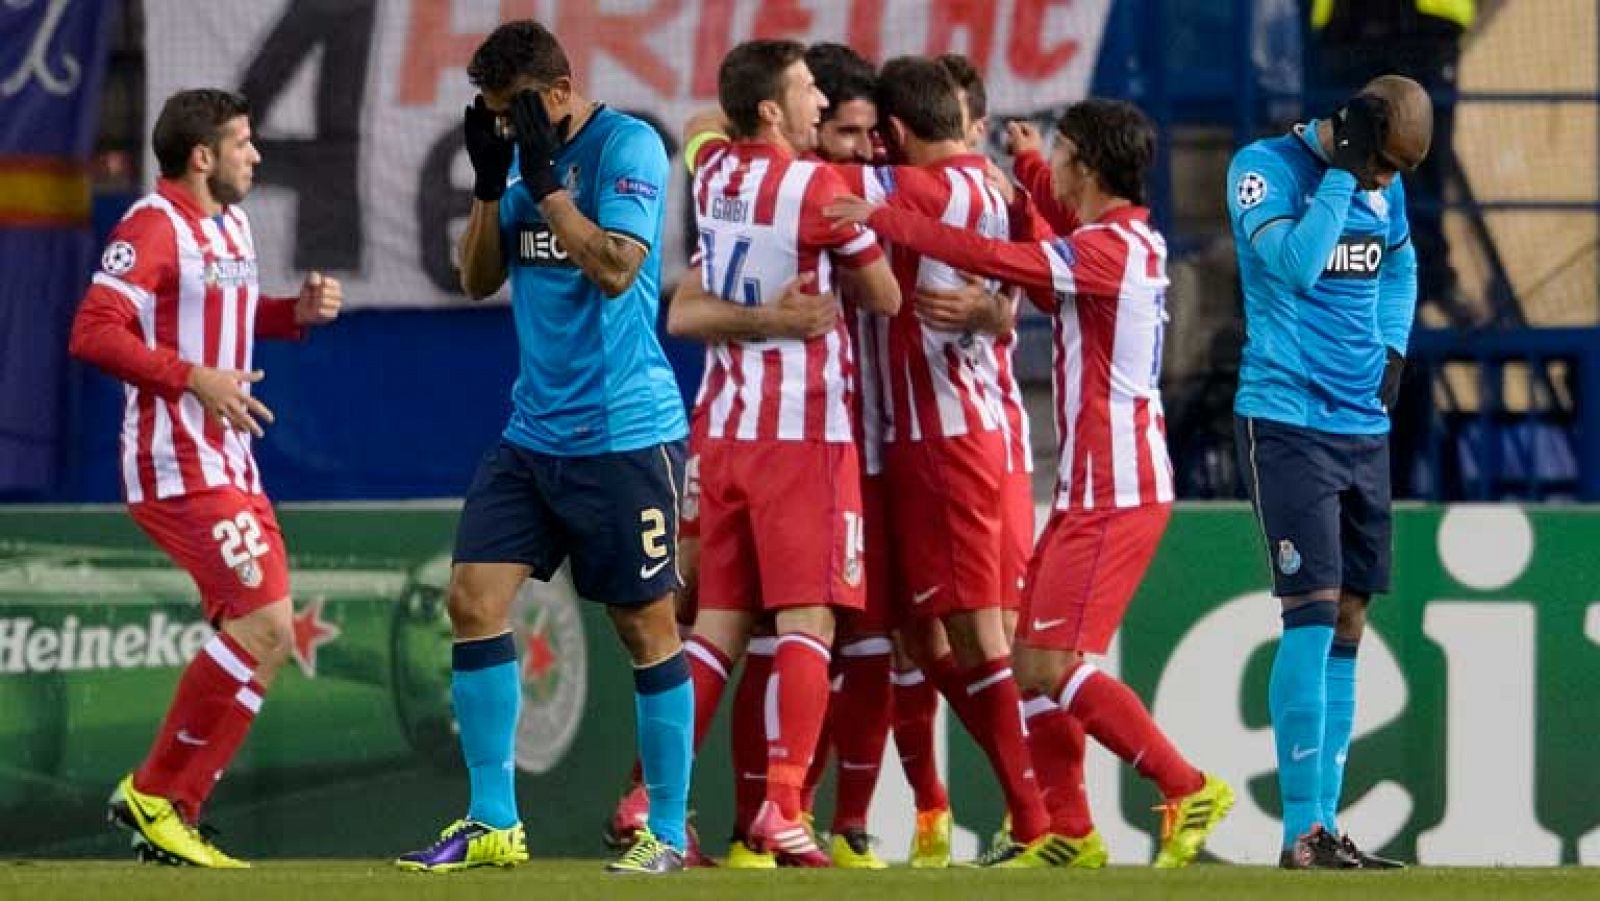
[571,181]
[1251,190]
[119,258]
[249,573]
[1288,558]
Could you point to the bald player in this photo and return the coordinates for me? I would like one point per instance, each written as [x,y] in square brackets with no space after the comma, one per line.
[1330,285]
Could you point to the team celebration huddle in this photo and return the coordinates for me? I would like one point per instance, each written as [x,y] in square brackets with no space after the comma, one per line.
[841,532]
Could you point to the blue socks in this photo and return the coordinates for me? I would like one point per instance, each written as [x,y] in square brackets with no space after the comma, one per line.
[1297,695]
[663,702]
[488,696]
[1341,720]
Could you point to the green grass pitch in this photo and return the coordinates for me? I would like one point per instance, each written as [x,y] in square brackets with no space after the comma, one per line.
[583,879]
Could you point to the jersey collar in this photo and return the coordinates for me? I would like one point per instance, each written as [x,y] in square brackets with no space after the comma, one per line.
[1307,135]
[179,196]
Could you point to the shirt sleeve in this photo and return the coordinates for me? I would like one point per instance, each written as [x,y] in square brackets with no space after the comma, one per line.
[852,246]
[1263,204]
[1397,278]
[702,147]
[1076,264]
[1033,171]
[139,262]
[275,319]
[633,185]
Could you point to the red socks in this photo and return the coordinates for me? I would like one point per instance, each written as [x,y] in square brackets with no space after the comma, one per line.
[1114,715]
[708,670]
[795,704]
[216,701]
[1056,741]
[916,704]
[749,733]
[996,724]
[861,708]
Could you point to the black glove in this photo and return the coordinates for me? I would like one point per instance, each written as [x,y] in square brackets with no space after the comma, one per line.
[1359,130]
[490,153]
[538,140]
[1389,388]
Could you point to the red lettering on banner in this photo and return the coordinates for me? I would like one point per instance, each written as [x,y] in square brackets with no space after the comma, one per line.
[584,30]
[777,19]
[1025,51]
[431,48]
[865,31]
[713,38]
[975,16]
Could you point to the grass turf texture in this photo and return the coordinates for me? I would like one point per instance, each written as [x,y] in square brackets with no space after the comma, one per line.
[583,879]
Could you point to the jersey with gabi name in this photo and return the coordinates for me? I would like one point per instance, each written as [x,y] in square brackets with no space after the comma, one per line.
[759,213]
[593,376]
[1319,311]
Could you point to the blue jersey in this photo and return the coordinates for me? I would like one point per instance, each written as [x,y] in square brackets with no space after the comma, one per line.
[1329,278]
[593,377]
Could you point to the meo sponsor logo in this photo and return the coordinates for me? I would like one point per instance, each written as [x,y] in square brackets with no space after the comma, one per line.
[1359,258]
[541,247]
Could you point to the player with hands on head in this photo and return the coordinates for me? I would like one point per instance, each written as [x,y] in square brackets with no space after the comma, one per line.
[569,200]
[1330,287]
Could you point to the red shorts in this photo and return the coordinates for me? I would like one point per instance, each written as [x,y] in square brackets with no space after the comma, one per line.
[689,506]
[780,525]
[874,618]
[1084,572]
[1016,513]
[229,543]
[945,523]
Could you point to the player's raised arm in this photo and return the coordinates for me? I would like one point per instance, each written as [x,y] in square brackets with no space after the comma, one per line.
[609,254]
[1397,295]
[1295,249]
[483,265]
[697,313]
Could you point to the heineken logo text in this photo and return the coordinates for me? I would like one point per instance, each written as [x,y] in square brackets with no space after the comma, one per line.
[28,646]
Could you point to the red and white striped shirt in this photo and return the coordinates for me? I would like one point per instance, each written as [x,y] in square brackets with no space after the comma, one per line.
[1106,286]
[1014,422]
[177,289]
[935,383]
[759,212]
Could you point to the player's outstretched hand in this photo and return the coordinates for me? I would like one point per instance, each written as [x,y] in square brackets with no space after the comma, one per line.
[221,392]
[965,309]
[800,314]
[1022,137]
[489,152]
[539,140]
[1359,130]
[321,297]
[848,209]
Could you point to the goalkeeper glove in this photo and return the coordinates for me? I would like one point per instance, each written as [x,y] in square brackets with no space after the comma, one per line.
[539,141]
[490,154]
[1389,389]
[1359,130]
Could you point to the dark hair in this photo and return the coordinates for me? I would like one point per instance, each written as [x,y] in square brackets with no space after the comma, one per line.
[919,92]
[522,47]
[751,73]
[1115,140]
[842,75]
[970,80]
[189,119]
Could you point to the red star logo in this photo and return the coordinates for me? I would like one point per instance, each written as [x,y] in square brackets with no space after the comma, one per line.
[310,633]
[539,657]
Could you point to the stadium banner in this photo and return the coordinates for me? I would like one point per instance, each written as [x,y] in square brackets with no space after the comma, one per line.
[1475,740]
[53,57]
[358,104]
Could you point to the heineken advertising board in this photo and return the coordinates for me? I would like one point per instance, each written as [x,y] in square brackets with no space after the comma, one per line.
[1476,738]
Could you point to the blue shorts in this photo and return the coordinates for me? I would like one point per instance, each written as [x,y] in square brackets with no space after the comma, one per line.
[615,515]
[1323,503]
